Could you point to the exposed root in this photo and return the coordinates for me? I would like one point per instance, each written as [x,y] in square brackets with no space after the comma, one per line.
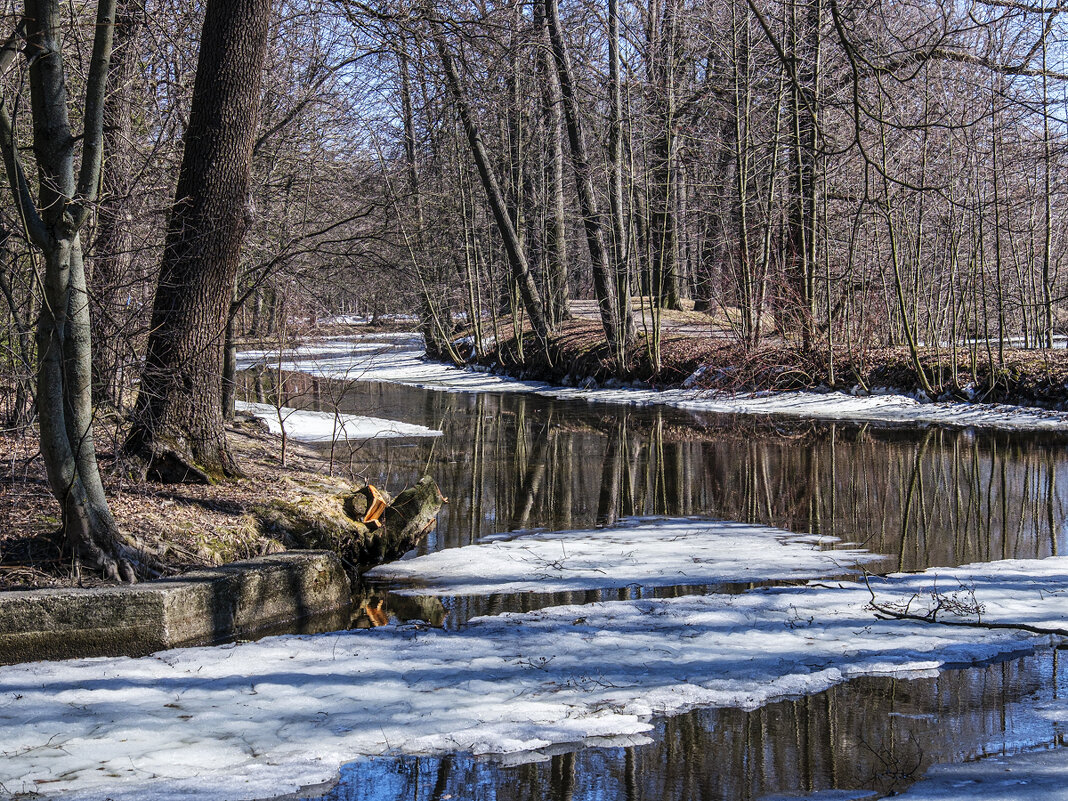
[174,462]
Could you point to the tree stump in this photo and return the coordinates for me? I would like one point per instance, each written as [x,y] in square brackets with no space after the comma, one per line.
[364,527]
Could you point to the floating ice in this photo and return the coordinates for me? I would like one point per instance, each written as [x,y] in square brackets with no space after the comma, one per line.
[1034,776]
[258,719]
[650,552]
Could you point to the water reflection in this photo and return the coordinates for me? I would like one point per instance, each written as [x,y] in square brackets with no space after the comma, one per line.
[922,497]
[510,462]
[381,605]
[875,736]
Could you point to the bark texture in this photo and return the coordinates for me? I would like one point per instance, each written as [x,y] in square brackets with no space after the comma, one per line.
[65,194]
[179,431]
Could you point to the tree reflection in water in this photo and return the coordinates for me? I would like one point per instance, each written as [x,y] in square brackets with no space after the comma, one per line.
[507,462]
[873,735]
[923,498]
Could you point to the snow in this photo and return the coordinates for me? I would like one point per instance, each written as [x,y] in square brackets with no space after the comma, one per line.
[648,552]
[259,719]
[346,319]
[400,360]
[331,426]
[1039,775]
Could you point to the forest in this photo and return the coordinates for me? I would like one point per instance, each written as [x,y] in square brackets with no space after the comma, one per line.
[834,180]
[679,320]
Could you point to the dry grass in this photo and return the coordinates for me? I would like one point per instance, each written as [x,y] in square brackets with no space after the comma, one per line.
[192,526]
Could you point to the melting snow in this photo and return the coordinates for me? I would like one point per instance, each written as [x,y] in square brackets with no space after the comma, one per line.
[645,552]
[330,426]
[1021,777]
[258,719]
[399,359]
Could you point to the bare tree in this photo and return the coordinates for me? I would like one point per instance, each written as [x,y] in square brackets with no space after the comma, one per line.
[53,221]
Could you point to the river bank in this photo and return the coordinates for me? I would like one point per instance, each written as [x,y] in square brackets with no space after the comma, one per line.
[591,631]
[400,358]
[190,526]
[577,354]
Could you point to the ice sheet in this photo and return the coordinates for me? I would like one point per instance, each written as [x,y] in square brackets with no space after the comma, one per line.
[259,719]
[649,552]
[1035,776]
[331,426]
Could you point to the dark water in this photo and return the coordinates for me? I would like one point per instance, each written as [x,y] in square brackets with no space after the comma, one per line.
[871,736]
[922,497]
[507,462]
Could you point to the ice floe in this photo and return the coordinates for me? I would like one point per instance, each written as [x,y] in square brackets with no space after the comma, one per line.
[1029,776]
[647,552]
[257,719]
[310,426]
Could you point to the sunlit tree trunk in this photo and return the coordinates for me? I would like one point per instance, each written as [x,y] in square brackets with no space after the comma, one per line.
[54,222]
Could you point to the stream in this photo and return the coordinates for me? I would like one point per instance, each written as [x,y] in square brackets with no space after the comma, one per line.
[920,497]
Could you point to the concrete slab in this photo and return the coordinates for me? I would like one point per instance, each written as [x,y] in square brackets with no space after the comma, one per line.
[197,608]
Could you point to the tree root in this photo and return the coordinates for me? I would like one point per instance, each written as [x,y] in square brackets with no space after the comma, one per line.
[173,462]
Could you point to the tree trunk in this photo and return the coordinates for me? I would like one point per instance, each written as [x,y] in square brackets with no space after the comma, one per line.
[663,224]
[556,265]
[616,332]
[64,366]
[517,258]
[113,247]
[179,431]
[801,245]
[620,240]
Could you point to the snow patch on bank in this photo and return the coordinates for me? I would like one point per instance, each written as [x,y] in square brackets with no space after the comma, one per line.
[400,360]
[648,552]
[258,719]
[309,426]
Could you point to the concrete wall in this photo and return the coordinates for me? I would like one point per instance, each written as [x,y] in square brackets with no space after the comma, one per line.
[198,608]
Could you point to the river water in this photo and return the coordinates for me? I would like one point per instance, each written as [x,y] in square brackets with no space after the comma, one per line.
[920,497]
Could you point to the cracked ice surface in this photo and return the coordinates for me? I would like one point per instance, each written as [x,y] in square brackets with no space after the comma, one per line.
[260,719]
[649,552]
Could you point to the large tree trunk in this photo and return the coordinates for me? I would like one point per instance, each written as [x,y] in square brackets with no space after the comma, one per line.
[179,431]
